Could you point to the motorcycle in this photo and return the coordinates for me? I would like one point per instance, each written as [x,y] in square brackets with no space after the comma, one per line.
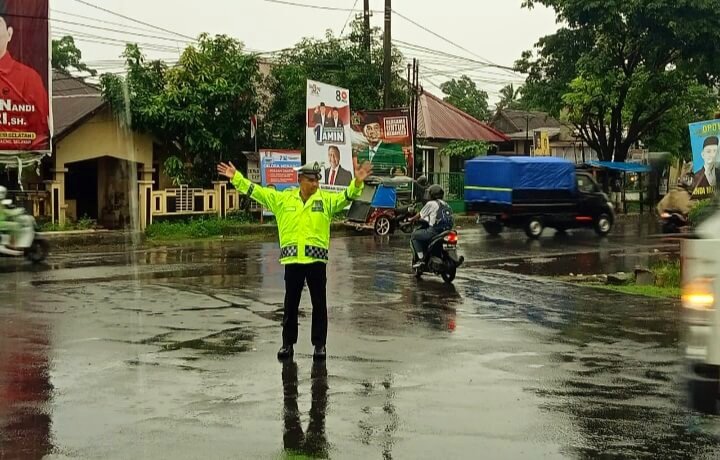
[442,257]
[673,221]
[26,241]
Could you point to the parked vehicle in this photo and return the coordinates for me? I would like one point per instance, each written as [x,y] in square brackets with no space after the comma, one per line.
[700,268]
[533,193]
[380,207]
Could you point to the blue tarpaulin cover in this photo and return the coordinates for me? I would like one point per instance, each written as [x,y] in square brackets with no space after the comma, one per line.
[492,179]
[385,197]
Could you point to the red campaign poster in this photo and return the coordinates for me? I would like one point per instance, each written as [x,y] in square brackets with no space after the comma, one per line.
[25,77]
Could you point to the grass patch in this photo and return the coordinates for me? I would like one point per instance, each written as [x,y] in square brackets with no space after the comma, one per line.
[81,224]
[645,291]
[667,283]
[199,227]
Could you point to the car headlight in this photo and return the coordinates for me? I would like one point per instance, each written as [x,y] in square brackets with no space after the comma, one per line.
[699,295]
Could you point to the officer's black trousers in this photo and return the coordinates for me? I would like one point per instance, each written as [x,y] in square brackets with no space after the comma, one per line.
[295,277]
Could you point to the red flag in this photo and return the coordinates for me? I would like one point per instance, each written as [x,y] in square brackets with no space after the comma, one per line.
[253,126]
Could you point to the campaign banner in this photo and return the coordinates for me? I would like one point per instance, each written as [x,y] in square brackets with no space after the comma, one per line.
[704,140]
[277,168]
[25,80]
[328,134]
[385,138]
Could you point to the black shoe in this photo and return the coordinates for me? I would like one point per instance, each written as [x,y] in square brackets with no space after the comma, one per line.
[319,354]
[285,352]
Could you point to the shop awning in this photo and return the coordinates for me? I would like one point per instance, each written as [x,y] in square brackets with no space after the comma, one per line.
[622,167]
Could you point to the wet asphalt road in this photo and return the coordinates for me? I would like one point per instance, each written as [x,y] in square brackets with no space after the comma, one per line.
[170,353]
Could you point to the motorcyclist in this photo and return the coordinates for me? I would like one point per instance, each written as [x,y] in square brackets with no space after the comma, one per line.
[678,199]
[435,218]
[7,226]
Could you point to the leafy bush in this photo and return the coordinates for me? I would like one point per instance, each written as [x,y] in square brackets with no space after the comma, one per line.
[667,274]
[701,211]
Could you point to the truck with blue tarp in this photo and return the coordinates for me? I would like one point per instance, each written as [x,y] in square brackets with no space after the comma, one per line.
[533,193]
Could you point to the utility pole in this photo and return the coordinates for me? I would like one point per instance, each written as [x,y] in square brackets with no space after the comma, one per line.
[366,21]
[387,64]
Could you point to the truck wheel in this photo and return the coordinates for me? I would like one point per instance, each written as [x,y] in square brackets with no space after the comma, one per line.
[603,225]
[493,228]
[703,388]
[534,228]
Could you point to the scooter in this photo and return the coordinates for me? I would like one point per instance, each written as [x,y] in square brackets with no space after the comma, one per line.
[673,221]
[26,242]
[442,258]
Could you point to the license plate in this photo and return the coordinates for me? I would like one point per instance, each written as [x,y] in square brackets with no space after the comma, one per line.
[449,246]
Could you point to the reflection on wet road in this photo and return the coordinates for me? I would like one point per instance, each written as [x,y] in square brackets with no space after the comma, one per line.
[170,353]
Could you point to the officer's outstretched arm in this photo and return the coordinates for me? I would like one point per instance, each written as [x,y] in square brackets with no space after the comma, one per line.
[339,200]
[265,196]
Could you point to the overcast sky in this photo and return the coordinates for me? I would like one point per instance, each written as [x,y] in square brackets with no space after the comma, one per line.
[493,30]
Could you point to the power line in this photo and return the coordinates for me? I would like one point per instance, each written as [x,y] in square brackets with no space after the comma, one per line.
[314,7]
[101,21]
[89,38]
[348,18]
[137,21]
[106,29]
[490,63]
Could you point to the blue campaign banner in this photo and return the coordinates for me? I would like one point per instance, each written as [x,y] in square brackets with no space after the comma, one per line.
[704,140]
[277,168]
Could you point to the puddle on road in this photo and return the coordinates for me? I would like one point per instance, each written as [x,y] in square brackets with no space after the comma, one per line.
[592,263]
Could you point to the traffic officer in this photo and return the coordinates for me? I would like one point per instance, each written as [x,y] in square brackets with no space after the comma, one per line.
[303,219]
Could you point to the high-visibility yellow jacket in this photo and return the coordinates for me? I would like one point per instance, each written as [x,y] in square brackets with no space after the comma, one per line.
[304,228]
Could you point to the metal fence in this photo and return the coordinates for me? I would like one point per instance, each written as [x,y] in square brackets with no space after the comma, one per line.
[452,183]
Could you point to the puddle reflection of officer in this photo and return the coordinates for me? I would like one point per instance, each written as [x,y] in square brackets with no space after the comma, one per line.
[314,442]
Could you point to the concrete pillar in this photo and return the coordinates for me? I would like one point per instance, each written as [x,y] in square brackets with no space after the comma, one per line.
[56,188]
[145,187]
[221,194]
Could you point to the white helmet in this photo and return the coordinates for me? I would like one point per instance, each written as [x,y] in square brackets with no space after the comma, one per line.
[3,192]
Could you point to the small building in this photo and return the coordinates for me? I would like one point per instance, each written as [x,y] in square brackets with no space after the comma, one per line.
[440,123]
[526,128]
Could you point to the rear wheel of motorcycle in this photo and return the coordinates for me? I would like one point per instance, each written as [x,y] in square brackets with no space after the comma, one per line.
[383,226]
[37,252]
[449,276]
[407,228]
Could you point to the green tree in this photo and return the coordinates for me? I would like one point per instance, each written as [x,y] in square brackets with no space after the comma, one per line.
[510,98]
[465,95]
[619,68]
[198,110]
[466,149]
[671,133]
[340,61]
[66,56]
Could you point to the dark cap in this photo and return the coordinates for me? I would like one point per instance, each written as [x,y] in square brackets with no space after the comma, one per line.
[712,140]
[310,170]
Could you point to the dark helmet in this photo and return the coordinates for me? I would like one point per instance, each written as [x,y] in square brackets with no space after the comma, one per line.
[435,192]
[422,181]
